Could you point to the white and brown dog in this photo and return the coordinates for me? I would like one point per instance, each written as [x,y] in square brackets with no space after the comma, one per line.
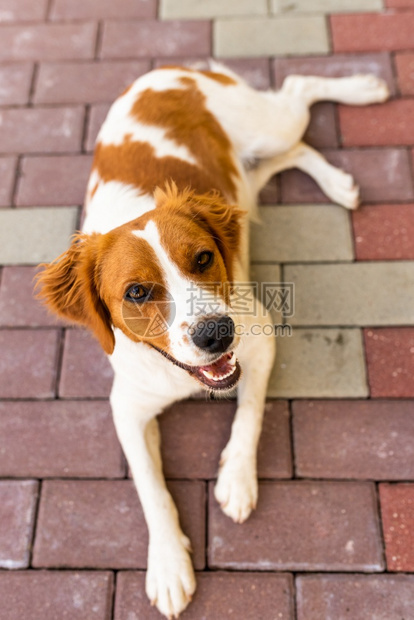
[180,158]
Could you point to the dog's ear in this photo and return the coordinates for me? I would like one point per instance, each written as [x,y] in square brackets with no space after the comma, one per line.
[223,221]
[70,287]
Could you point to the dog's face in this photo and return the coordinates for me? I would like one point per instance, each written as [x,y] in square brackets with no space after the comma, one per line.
[163,279]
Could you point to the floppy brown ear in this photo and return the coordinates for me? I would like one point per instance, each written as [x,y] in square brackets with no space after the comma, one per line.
[223,222]
[69,286]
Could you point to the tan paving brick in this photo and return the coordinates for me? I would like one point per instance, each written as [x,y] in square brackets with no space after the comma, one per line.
[41,130]
[49,595]
[210,9]
[15,80]
[30,236]
[319,363]
[219,595]
[359,597]
[270,36]
[372,293]
[132,39]
[302,233]
[53,180]
[194,434]
[22,10]
[7,174]
[47,41]
[325,6]
[59,439]
[383,174]
[359,439]
[263,274]
[17,514]
[301,526]
[100,523]
[102,9]
[96,82]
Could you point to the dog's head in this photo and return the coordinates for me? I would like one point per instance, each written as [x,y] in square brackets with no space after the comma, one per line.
[163,279]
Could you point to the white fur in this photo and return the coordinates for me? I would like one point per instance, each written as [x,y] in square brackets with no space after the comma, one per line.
[266,128]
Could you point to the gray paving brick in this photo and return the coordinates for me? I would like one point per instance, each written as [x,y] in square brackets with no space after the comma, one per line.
[319,363]
[271,36]
[194,9]
[262,274]
[302,233]
[373,293]
[326,6]
[30,236]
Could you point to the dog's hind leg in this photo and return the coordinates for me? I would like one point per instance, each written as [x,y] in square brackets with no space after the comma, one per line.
[354,90]
[335,183]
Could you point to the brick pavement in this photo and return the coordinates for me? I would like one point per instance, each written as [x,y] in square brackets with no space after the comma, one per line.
[333,533]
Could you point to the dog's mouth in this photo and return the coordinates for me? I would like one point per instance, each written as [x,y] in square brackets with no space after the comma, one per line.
[223,374]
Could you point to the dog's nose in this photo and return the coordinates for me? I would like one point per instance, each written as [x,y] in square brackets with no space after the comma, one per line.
[214,335]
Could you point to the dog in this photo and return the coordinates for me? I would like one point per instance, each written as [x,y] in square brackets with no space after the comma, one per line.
[178,165]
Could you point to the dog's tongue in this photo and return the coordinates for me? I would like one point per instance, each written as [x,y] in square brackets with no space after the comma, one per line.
[222,366]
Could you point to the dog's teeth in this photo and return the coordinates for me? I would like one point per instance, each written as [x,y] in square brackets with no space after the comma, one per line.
[233,360]
[208,374]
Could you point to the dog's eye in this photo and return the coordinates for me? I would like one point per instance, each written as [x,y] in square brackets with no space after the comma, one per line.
[137,293]
[204,260]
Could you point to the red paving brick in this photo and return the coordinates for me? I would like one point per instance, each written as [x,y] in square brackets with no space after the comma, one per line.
[405,70]
[17,514]
[219,595]
[39,130]
[18,307]
[123,39]
[15,82]
[47,41]
[370,439]
[370,32]
[100,524]
[103,9]
[59,439]
[48,595]
[384,232]
[95,81]
[53,181]
[390,361]
[397,508]
[96,118]
[194,433]
[357,597]
[86,371]
[379,125]
[28,363]
[382,175]
[337,521]
[23,10]
[399,4]
[7,175]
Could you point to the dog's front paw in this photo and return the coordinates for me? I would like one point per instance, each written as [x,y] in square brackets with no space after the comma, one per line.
[236,489]
[170,581]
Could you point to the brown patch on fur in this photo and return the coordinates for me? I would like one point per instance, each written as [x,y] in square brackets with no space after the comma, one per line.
[94,189]
[88,282]
[224,80]
[70,287]
[135,163]
[182,112]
